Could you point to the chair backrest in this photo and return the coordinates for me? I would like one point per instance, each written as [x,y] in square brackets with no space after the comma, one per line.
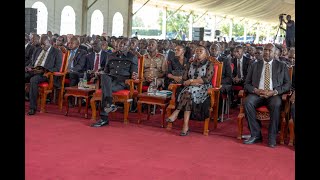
[140,72]
[216,78]
[64,62]
[290,70]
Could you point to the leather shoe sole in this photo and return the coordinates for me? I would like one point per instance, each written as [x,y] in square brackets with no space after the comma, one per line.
[31,112]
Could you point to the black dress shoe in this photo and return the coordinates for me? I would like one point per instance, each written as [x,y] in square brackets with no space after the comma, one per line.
[100,123]
[31,112]
[252,140]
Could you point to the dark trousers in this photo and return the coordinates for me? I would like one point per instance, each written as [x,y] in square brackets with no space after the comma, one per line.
[35,79]
[108,86]
[289,42]
[74,78]
[273,104]
[225,89]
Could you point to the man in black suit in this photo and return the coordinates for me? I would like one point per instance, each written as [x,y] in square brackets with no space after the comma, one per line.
[121,65]
[266,81]
[240,69]
[76,62]
[29,49]
[49,58]
[96,60]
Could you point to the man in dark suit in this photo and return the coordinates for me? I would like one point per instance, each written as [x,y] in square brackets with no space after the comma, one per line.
[47,57]
[96,60]
[121,65]
[76,62]
[29,49]
[266,81]
[240,69]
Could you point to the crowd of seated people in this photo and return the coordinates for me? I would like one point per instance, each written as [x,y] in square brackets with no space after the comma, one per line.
[165,62]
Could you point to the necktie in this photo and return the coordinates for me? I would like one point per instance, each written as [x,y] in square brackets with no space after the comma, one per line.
[41,58]
[238,69]
[267,77]
[70,59]
[96,64]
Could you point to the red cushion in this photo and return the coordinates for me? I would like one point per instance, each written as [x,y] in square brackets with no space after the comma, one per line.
[262,109]
[66,81]
[145,88]
[43,84]
[214,78]
[224,96]
[237,88]
[98,91]
[122,92]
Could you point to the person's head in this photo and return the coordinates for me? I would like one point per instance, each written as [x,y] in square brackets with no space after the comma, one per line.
[215,50]
[143,43]
[258,53]
[45,42]
[277,54]
[251,50]
[192,47]
[179,50]
[292,55]
[134,44]
[60,41]
[268,52]
[49,33]
[74,43]
[124,45]
[104,45]
[152,46]
[35,39]
[288,17]
[201,53]
[165,44]
[26,38]
[238,52]
[284,51]
[96,45]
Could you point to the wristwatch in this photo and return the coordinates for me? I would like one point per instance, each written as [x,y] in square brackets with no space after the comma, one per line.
[275,93]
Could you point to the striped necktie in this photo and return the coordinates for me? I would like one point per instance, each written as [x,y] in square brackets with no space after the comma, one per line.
[44,52]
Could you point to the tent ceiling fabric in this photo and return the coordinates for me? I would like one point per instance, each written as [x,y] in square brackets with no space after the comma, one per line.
[267,11]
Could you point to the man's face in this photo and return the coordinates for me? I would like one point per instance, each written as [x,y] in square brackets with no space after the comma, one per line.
[291,56]
[268,52]
[74,44]
[258,54]
[60,41]
[238,53]
[152,46]
[133,44]
[214,50]
[178,51]
[96,46]
[44,43]
[124,45]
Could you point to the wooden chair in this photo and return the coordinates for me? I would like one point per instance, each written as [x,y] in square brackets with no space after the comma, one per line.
[262,113]
[123,96]
[213,92]
[47,87]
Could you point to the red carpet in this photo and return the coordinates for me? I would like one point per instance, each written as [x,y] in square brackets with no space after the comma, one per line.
[62,147]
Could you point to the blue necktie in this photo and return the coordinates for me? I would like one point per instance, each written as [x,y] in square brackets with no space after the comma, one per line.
[70,59]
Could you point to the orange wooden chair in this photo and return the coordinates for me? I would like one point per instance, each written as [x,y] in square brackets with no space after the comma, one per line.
[213,92]
[122,96]
[47,87]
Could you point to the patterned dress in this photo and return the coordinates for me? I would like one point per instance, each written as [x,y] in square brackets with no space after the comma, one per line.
[195,98]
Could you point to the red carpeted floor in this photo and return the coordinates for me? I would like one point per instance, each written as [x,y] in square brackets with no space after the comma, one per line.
[62,147]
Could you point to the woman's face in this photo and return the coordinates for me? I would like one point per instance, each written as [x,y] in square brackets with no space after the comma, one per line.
[201,53]
[179,51]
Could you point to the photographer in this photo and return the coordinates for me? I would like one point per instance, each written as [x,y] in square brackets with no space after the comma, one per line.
[290,30]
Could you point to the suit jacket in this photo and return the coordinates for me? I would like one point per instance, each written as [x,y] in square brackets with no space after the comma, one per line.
[90,58]
[245,66]
[226,70]
[79,61]
[280,77]
[28,54]
[53,61]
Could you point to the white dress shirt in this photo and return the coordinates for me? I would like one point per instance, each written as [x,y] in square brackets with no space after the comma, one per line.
[261,83]
[241,62]
[95,57]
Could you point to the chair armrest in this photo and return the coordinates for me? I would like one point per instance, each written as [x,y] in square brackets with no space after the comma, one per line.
[49,75]
[214,94]
[59,73]
[241,94]
[173,88]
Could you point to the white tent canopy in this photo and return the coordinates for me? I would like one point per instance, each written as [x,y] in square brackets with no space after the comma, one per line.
[266,11]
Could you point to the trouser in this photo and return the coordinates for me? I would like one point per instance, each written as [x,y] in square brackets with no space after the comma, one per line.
[33,93]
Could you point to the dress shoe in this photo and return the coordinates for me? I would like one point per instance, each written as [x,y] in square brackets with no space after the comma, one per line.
[112,108]
[184,133]
[31,112]
[100,123]
[272,143]
[252,140]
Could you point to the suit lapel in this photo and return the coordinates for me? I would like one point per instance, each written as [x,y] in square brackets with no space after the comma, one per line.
[48,57]
[259,69]
[102,57]
[274,71]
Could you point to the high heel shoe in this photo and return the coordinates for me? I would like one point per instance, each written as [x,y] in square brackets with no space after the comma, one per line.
[170,120]
[184,133]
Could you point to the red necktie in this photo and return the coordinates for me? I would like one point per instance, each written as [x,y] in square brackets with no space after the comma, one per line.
[96,65]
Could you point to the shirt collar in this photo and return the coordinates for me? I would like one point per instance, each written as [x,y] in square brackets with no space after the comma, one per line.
[98,53]
[270,62]
[26,45]
[74,51]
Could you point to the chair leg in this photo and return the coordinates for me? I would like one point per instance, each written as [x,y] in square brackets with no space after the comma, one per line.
[126,111]
[228,106]
[43,102]
[283,125]
[60,98]
[206,127]
[240,125]
[291,129]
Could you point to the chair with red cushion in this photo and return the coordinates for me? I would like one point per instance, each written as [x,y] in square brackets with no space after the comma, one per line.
[122,96]
[47,87]
[262,113]
[226,100]
[213,93]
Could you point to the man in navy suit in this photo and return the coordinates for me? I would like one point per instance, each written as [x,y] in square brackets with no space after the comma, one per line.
[48,58]
[95,61]
[266,81]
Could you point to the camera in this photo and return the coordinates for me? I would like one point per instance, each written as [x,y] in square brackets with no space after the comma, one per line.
[281,18]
